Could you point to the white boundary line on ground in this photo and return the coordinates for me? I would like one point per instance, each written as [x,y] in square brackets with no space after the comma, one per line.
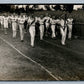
[49,72]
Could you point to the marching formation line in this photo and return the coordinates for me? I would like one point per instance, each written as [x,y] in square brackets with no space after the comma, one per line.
[49,72]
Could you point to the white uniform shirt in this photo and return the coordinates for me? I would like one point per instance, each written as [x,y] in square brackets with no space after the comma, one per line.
[47,19]
[21,20]
[25,17]
[41,21]
[37,18]
[13,19]
[61,22]
[9,20]
[2,20]
[30,20]
[69,21]
[52,21]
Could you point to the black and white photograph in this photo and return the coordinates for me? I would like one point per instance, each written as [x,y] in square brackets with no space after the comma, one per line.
[41,42]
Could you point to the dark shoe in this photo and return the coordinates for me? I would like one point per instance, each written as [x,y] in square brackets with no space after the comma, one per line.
[69,39]
[22,40]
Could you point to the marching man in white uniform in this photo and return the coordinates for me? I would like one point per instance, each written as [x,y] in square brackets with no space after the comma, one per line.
[47,23]
[63,29]
[53,23]
[9,21]
[31,22]
[69,24]
[41,28]
[14,25]
[21,21]
[5,23]
[2,22]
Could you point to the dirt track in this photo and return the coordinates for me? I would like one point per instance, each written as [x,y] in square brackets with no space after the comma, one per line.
[65,62]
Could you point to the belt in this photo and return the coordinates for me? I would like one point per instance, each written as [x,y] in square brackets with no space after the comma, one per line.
[32,25]
[47,22]
[21,23]
[70,24]
[53,24]
[13,21]
[63,27]
[41,24]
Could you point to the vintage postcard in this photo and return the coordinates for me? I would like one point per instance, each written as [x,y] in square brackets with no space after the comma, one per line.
[41,41]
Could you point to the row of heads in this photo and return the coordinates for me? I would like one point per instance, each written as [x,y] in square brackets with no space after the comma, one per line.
[27,14]
[63,16]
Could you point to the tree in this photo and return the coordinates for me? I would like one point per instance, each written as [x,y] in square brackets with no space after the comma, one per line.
[68,7]
[27,8]
[12,8]
[47,7]
[17,9]
[57,7]
[83,7]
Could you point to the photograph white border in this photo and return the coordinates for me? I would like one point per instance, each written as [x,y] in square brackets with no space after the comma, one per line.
[41,2]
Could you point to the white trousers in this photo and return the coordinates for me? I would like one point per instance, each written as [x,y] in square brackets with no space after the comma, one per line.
[21,27]
[5,25]
[47,25]
[70,31]
[32,34]
[41,28]
[53,31]
[14,29]
[63,33]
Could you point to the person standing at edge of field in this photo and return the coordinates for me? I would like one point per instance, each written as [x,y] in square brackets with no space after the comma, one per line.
[5,23]
[69,24]
[14,25]
[31,23]
[21,21]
